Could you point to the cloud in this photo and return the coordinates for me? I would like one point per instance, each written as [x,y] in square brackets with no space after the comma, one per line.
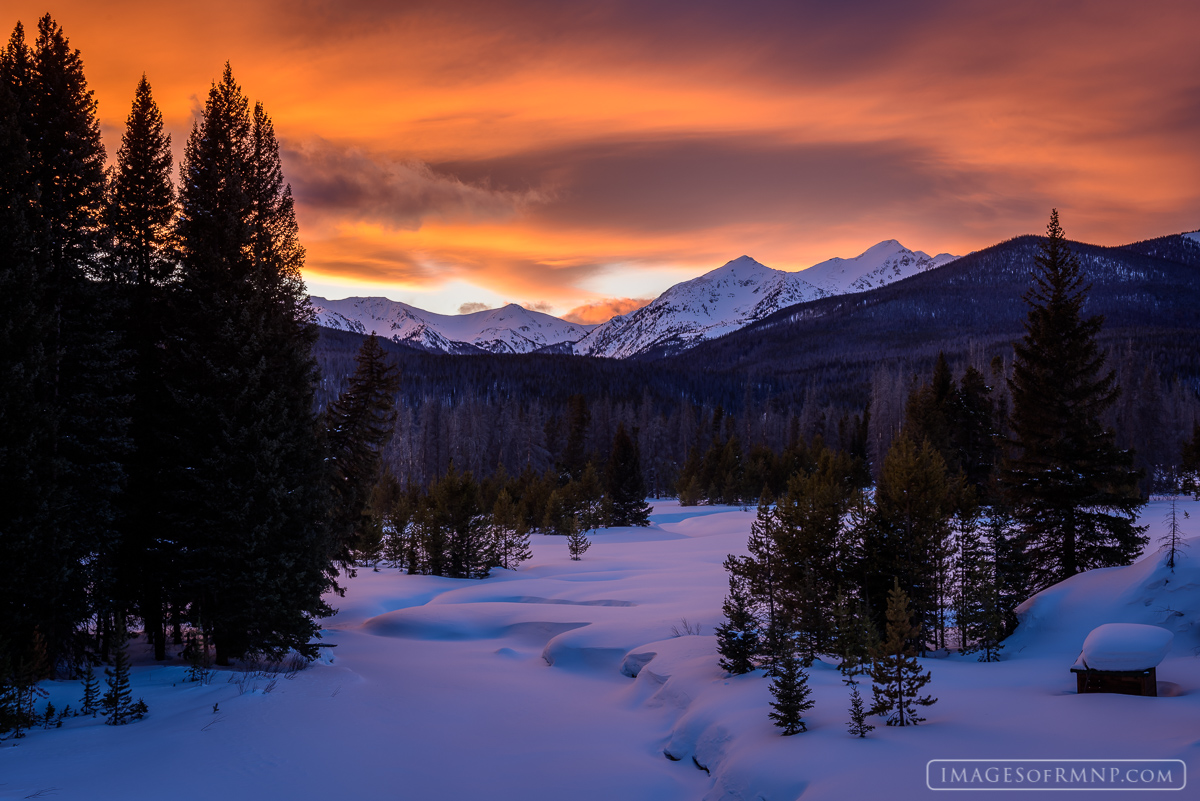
[399,193]
[472,307]
[604,310]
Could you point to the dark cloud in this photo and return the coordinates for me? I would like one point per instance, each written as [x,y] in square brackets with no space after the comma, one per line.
[398,193]
[690,183]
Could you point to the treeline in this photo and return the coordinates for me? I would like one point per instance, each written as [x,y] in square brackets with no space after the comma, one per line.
[462,527]
[162,459]
[988,509]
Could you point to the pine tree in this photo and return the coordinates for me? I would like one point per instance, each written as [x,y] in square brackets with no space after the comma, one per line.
[978,610]
[1173,541]
[66,411]
[248,487]
[791,693]
[908,534]
[458,526]
[896,674]
[623,483]
[1074,492]
[855,637]
[858,714]
[358,424]
[118,701]
[738,635]
[1189,463]
[577,541]
[90,703]
[510,537]
[138,216]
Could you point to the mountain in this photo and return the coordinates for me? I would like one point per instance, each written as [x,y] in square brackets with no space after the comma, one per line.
[972,308]
[880,265]
[744,291]
[716,303]
[510,329]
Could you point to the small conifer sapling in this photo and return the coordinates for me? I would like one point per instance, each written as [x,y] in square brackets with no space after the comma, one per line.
[858,713]
[791,693]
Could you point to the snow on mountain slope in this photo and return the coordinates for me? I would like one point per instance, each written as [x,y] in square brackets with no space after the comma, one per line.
[1195,237]
[716,303]
[510,329]
[878,266]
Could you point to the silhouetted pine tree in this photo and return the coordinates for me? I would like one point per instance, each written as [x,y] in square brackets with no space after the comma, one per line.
[623,484]
[138,217]
[358,424]
[896,674]
[791,693]
[28,421]
[248,482]
[68,354]
[1073,492]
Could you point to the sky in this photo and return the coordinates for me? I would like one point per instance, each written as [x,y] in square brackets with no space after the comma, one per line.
[581,157]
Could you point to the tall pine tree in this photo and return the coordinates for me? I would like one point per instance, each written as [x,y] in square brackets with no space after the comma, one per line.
[623,483]
[138,219]
[358,424]
[249,488]
[1072,490]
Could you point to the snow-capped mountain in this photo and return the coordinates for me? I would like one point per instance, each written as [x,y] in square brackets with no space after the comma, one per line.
[878,266]
[510,329]
[716,303]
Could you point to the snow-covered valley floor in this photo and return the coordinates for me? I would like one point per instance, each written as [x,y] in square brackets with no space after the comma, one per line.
[519,687]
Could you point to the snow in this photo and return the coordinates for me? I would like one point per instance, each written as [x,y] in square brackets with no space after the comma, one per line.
[1195,237]
[510,329]
[562,680]
[743,291]
[1125,646]
[879,265]
[718,302]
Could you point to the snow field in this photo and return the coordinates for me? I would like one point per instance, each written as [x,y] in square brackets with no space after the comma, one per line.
[563,680]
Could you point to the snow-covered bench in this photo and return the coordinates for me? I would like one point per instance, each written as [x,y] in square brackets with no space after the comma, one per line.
[1122,658]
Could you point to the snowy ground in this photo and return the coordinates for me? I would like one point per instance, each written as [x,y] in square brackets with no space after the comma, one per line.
[520,687]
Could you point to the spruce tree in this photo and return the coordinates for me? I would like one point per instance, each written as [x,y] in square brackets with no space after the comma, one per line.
[623,483]
[738,635]
[510,537]
[858,714]
[791,693]
[896,674]
[28,421]
[1073,491]
[61,531]
[138,217]
[118,701]
[1189,463]
[577,541]
[358,424]
[908,535]
[855,637]
[90,703]
[248,485]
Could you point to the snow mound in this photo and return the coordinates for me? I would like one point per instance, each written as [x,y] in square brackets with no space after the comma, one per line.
[1147,592]
[1126,646]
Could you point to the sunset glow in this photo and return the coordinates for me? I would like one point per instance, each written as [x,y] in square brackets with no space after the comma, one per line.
[582,156]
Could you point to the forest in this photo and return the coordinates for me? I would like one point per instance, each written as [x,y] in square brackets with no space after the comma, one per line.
[187,459]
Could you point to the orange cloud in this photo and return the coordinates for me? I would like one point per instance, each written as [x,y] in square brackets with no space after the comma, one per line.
[538,152]
[603,310]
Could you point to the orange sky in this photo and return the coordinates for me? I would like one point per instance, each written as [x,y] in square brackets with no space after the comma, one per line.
[562,154]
